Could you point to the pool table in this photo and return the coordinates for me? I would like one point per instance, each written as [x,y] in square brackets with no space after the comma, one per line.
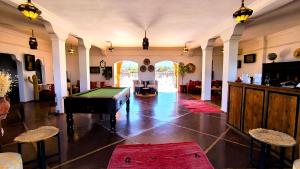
[97,101]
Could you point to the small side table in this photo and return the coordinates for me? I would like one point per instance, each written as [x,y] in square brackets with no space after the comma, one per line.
[270,138]
[145,90]
[39,136]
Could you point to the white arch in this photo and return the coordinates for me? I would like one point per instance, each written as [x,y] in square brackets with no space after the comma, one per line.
[166,84]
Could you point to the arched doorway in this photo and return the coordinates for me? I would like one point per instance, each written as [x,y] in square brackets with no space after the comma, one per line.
[167,76]
[10,65]
[125,73]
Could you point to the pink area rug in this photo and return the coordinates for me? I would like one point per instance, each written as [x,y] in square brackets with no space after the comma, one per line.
[185,155]
[199,106]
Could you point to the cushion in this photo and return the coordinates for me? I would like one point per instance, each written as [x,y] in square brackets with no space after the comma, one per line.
[11,161]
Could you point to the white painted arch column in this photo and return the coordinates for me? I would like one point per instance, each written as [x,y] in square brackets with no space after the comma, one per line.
[207,53]
[84,64]
[231,40]
[58,38]
[59,70]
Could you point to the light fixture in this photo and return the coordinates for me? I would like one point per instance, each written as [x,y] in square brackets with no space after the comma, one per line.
[242,14]
[145,42]
[110,48]
[185,49]
[71,50]
[32,41]
[29,10]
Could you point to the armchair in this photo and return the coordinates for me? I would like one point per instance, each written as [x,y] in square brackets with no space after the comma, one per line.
[152,85]
[137,85]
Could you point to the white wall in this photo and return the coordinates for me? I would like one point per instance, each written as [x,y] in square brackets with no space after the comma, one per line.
[218,63]
[16,43]
[154,54]
[72,64]
[283,43]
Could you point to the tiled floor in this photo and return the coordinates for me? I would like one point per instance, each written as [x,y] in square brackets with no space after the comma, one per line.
[159,119]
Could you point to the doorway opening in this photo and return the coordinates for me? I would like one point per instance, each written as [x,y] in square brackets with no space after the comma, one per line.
[125,73]
[166,75]
[9,65]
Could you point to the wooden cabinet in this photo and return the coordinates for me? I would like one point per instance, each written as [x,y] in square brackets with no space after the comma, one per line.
[253,109]
[235,106]
[254,106]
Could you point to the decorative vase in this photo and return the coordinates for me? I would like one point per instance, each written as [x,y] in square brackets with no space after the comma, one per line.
[4,107]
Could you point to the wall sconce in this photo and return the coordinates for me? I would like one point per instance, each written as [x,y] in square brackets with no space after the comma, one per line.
[71,50]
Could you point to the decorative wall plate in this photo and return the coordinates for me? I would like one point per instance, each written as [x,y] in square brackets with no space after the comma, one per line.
[146,61]
[143,68]
[297,52]
[150,68]
[272,56]
[191,67]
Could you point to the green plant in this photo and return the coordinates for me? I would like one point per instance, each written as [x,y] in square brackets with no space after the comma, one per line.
[107,73]
[182,70]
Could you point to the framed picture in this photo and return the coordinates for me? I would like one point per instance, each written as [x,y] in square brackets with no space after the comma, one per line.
[250,58]
[239,64]
[29,62]
[94,69]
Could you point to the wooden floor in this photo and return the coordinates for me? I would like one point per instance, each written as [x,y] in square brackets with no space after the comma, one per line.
[159,119]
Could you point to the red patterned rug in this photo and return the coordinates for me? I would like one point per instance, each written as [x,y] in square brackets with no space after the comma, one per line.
[185,155]
[199,106]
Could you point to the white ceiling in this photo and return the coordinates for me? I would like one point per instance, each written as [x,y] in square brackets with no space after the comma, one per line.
[169,23]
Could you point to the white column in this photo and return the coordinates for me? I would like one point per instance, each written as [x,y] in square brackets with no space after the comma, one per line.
[84,64]
[59,71]
[206,72]
[231,47]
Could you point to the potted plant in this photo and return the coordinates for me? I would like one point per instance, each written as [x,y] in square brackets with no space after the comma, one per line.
[5,82]
[182,70]
[107,73]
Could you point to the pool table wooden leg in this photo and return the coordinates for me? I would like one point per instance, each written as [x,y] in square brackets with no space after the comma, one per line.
[127,106]
[70,123]
[113,122]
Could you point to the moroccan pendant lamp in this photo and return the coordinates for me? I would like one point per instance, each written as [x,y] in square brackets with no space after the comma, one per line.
[29,10]
[242,14]
[32,41]
[185,49]
[111,47]
[145,42]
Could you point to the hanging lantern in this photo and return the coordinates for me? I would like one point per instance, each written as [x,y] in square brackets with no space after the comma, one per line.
[33,42]
[185,49]
[242,14]
[29,10]
[145,42]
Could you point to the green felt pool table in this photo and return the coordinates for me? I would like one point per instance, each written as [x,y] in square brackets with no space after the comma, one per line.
[97,101]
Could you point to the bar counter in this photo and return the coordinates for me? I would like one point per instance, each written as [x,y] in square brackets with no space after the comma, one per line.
[253,106]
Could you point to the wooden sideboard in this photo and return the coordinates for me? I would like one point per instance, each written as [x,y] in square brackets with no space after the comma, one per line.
[253,106]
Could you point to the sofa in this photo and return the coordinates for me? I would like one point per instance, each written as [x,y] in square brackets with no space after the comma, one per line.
[138,85]
[193,87]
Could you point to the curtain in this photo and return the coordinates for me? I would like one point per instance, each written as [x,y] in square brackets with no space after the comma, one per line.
[175,65]
[119,66]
